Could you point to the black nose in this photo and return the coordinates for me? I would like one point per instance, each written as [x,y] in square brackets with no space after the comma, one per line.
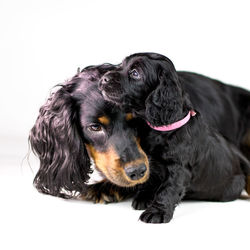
[135,172]
[103,81]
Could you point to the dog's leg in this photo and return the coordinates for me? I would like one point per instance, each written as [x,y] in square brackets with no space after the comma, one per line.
[143,199]
[146,192]
[105,193]
[234,188]
[168,195]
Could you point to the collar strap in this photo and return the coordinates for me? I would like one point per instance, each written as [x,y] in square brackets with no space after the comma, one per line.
[174,125]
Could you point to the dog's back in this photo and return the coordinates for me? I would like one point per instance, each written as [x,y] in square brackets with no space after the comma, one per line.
[222,106]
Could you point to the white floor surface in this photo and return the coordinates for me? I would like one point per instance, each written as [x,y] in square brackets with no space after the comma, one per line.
[30,220]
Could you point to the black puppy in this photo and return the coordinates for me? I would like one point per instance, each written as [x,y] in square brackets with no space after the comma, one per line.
[87,147]
[197,124]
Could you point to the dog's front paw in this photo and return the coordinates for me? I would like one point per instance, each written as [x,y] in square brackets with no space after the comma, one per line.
[140,203]
[98,196]
[156,215]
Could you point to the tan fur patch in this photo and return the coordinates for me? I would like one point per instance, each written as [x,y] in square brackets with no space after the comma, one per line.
[103,198]
[105,159]
[129,116]
[117,196]
[104,120]
[137,162]
[109,164]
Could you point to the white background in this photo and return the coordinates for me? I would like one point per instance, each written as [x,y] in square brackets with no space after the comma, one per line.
[41,44]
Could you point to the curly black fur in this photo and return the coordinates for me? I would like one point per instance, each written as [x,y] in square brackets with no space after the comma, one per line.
[61,132]
[64,164]
[204,159]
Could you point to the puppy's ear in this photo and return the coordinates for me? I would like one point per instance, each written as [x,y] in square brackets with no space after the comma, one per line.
[164,105]
[64,162]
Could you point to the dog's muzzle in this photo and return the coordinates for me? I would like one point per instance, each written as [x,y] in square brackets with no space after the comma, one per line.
[136,172]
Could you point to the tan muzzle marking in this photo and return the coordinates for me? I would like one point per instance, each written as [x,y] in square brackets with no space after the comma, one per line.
[109,164]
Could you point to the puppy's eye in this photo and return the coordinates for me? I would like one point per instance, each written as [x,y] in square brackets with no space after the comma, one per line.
[95,128]
[134,74]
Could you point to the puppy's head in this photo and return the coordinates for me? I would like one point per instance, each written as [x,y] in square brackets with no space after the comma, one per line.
[77,132]
[143,81]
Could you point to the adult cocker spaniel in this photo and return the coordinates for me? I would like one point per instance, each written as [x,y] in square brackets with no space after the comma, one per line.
[87,147]
[200,132]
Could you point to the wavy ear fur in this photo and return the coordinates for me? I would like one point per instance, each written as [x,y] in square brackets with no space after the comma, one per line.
[164,105]
[64,162]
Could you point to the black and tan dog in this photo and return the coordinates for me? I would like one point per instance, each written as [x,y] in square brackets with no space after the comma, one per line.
[199,136]
[87,147]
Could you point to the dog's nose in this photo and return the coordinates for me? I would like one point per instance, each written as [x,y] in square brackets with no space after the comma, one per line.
[103,81]
[135,172]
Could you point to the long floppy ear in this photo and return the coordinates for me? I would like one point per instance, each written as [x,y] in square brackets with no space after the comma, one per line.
[164,105]
[64,162]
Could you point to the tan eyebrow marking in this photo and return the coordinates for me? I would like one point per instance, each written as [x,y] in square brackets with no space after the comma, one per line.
[129,116]
[104,120]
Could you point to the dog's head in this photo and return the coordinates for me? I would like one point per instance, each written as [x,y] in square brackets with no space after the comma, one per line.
[78,132]
[144,82]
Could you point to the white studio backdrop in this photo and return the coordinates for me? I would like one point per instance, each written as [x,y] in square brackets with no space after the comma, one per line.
[42,43]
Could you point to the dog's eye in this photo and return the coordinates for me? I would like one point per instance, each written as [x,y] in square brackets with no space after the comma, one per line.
[134,74]
[95,128]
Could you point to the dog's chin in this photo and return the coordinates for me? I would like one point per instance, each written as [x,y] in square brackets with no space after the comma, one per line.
[95,176]
[111,98]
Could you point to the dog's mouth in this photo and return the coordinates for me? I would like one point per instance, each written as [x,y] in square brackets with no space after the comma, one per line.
[106,166]
[111,97]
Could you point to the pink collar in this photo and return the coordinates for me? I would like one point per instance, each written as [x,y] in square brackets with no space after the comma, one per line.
[174,125]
